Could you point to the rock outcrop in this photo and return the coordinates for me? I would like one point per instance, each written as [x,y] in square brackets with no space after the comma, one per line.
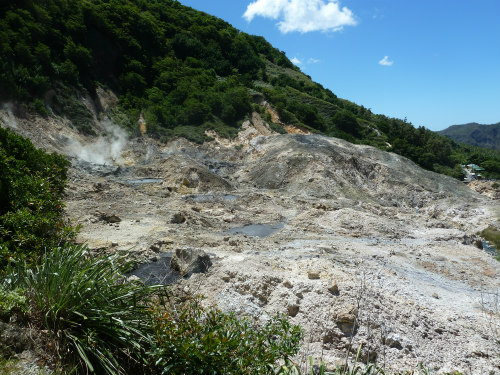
[366,240]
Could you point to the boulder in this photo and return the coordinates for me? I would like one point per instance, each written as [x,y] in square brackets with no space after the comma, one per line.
[293,310]
[188,261]
[347,320]
[288,284]
[334,288]
[108,218]
[394,340]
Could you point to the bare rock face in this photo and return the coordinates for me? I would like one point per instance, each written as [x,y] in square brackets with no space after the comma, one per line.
[380,234]
[490,189]
[13,339]
[189,261]
[326,167]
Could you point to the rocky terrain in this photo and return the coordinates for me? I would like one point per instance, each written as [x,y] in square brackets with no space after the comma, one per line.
[358,246]
[488,188]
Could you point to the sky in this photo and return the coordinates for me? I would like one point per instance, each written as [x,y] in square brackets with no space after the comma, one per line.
[434,62]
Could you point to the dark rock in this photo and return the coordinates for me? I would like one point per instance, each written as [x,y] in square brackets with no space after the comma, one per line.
[393,340]
[331,336]
[178,218]
[14,339]
[366,355]
[189,261]
[108,218]
[293,310]
[334,288]
[347,321]
[313,275]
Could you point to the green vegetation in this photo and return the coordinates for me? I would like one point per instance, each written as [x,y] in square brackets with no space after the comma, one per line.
[96,321]
[475,134]
[186,72]
[13,302]
[192,339]
[492,234]
[31,188]
[8,366]
[99,323]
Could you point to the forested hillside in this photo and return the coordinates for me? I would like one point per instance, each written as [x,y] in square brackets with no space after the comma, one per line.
[475,134]
[185,72]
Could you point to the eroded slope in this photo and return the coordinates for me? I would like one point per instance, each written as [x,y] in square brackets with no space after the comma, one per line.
[357,234]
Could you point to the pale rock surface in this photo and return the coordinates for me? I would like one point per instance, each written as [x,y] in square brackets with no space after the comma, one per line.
[388,234]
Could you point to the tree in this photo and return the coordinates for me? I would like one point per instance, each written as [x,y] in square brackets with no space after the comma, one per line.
[347,122]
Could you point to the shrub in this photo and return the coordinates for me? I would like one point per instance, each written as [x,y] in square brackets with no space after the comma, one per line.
[346,122]
[192,133]
[31,189]
[67,104]
[100,324]
[39,106]
[191,339]
[277,128]
[492,235]
[12,302]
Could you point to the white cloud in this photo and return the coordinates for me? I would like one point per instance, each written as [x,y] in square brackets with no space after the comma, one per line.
[302,15]
[386,62]
[296,61]
[312,60]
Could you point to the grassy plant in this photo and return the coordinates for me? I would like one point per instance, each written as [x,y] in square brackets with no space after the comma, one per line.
[12,302]
[191,339]
[99,323]
[492,235]
[8,366]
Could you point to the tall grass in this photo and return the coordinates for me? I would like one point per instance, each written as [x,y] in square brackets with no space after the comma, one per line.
[97,322]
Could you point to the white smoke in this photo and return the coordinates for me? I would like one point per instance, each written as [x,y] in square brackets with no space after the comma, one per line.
[7,117]
[106,150]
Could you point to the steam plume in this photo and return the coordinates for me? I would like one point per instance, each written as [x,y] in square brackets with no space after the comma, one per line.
[7,116]
[105,150]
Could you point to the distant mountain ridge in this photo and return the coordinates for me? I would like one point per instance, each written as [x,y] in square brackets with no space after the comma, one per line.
[475,134]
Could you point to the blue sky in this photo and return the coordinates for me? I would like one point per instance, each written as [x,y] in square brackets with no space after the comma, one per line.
[435,62]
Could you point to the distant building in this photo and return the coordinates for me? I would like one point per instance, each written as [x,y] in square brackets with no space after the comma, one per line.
[472,172]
